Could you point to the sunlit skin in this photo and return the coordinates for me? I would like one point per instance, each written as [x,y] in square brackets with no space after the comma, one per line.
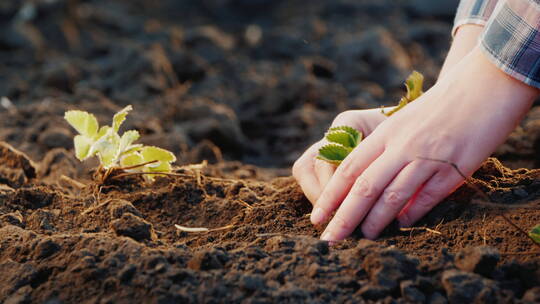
[462,119]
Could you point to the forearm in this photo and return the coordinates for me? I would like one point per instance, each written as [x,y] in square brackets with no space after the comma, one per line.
[471,17]
[465,40]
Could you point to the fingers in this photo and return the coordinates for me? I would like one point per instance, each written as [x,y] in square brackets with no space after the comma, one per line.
[435,190]
[396,195]
[343,179]
[363,194]
[304,172]
[313,175]
[324,172]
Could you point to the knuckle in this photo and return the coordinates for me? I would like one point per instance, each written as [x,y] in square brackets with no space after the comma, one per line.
[298,167]
[295,169]
[363,188]
[393,198]
[426,199]
[349,117]
[347,170]
[342,117]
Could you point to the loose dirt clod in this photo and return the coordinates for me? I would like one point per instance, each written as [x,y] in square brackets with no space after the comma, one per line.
[17,169]
[481,260]
[133,226]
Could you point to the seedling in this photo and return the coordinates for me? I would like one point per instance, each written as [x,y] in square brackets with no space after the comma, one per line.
[535,234]
[343,139]
[414,85]
[116,152]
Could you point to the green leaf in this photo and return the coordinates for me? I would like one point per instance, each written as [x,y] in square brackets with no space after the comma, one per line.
[127,140]
[333,153]
[344,135]
[151,153]
[159,167]
[119,117]
[341,137]
[414,84]
[102,131]
[347,129]
[85,123]
[535,234]
[82,147]
[133,148]
[163,156]
[107,148]
[131,159]
[114,150]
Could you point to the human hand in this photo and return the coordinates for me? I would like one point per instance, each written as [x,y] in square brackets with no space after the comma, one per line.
[313,174]
[461,119]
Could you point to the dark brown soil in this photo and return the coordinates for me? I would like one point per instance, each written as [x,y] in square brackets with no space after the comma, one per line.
[205,89]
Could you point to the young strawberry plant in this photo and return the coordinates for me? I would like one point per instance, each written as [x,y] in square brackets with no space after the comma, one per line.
[414,85]
[343,139]
[535,234]
[115,151]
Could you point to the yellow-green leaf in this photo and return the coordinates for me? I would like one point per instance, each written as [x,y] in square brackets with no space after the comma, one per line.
[102,131]
[133,148]
[132,159]
[161,166]
[414,84]
[127,139]
[151,153]
[85,123]
[82,147]
[535,234]
[119,117]
[107,148]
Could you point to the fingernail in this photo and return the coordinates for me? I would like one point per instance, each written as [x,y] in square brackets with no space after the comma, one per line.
[327,236]
[317,216]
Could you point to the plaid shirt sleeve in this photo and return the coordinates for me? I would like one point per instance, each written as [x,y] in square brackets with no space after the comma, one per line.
[511,39]
[473,12]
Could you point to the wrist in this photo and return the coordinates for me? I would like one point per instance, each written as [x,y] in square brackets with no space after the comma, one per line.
[478,85]
[492,78]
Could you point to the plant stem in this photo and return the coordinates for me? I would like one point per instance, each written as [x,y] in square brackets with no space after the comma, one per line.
[137,166]
[174,174]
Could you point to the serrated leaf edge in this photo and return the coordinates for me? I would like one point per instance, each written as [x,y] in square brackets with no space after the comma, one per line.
[356,135]
[351,140]
[330,146]
[535,233]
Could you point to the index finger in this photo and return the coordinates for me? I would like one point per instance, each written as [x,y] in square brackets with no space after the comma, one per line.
[346,174]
